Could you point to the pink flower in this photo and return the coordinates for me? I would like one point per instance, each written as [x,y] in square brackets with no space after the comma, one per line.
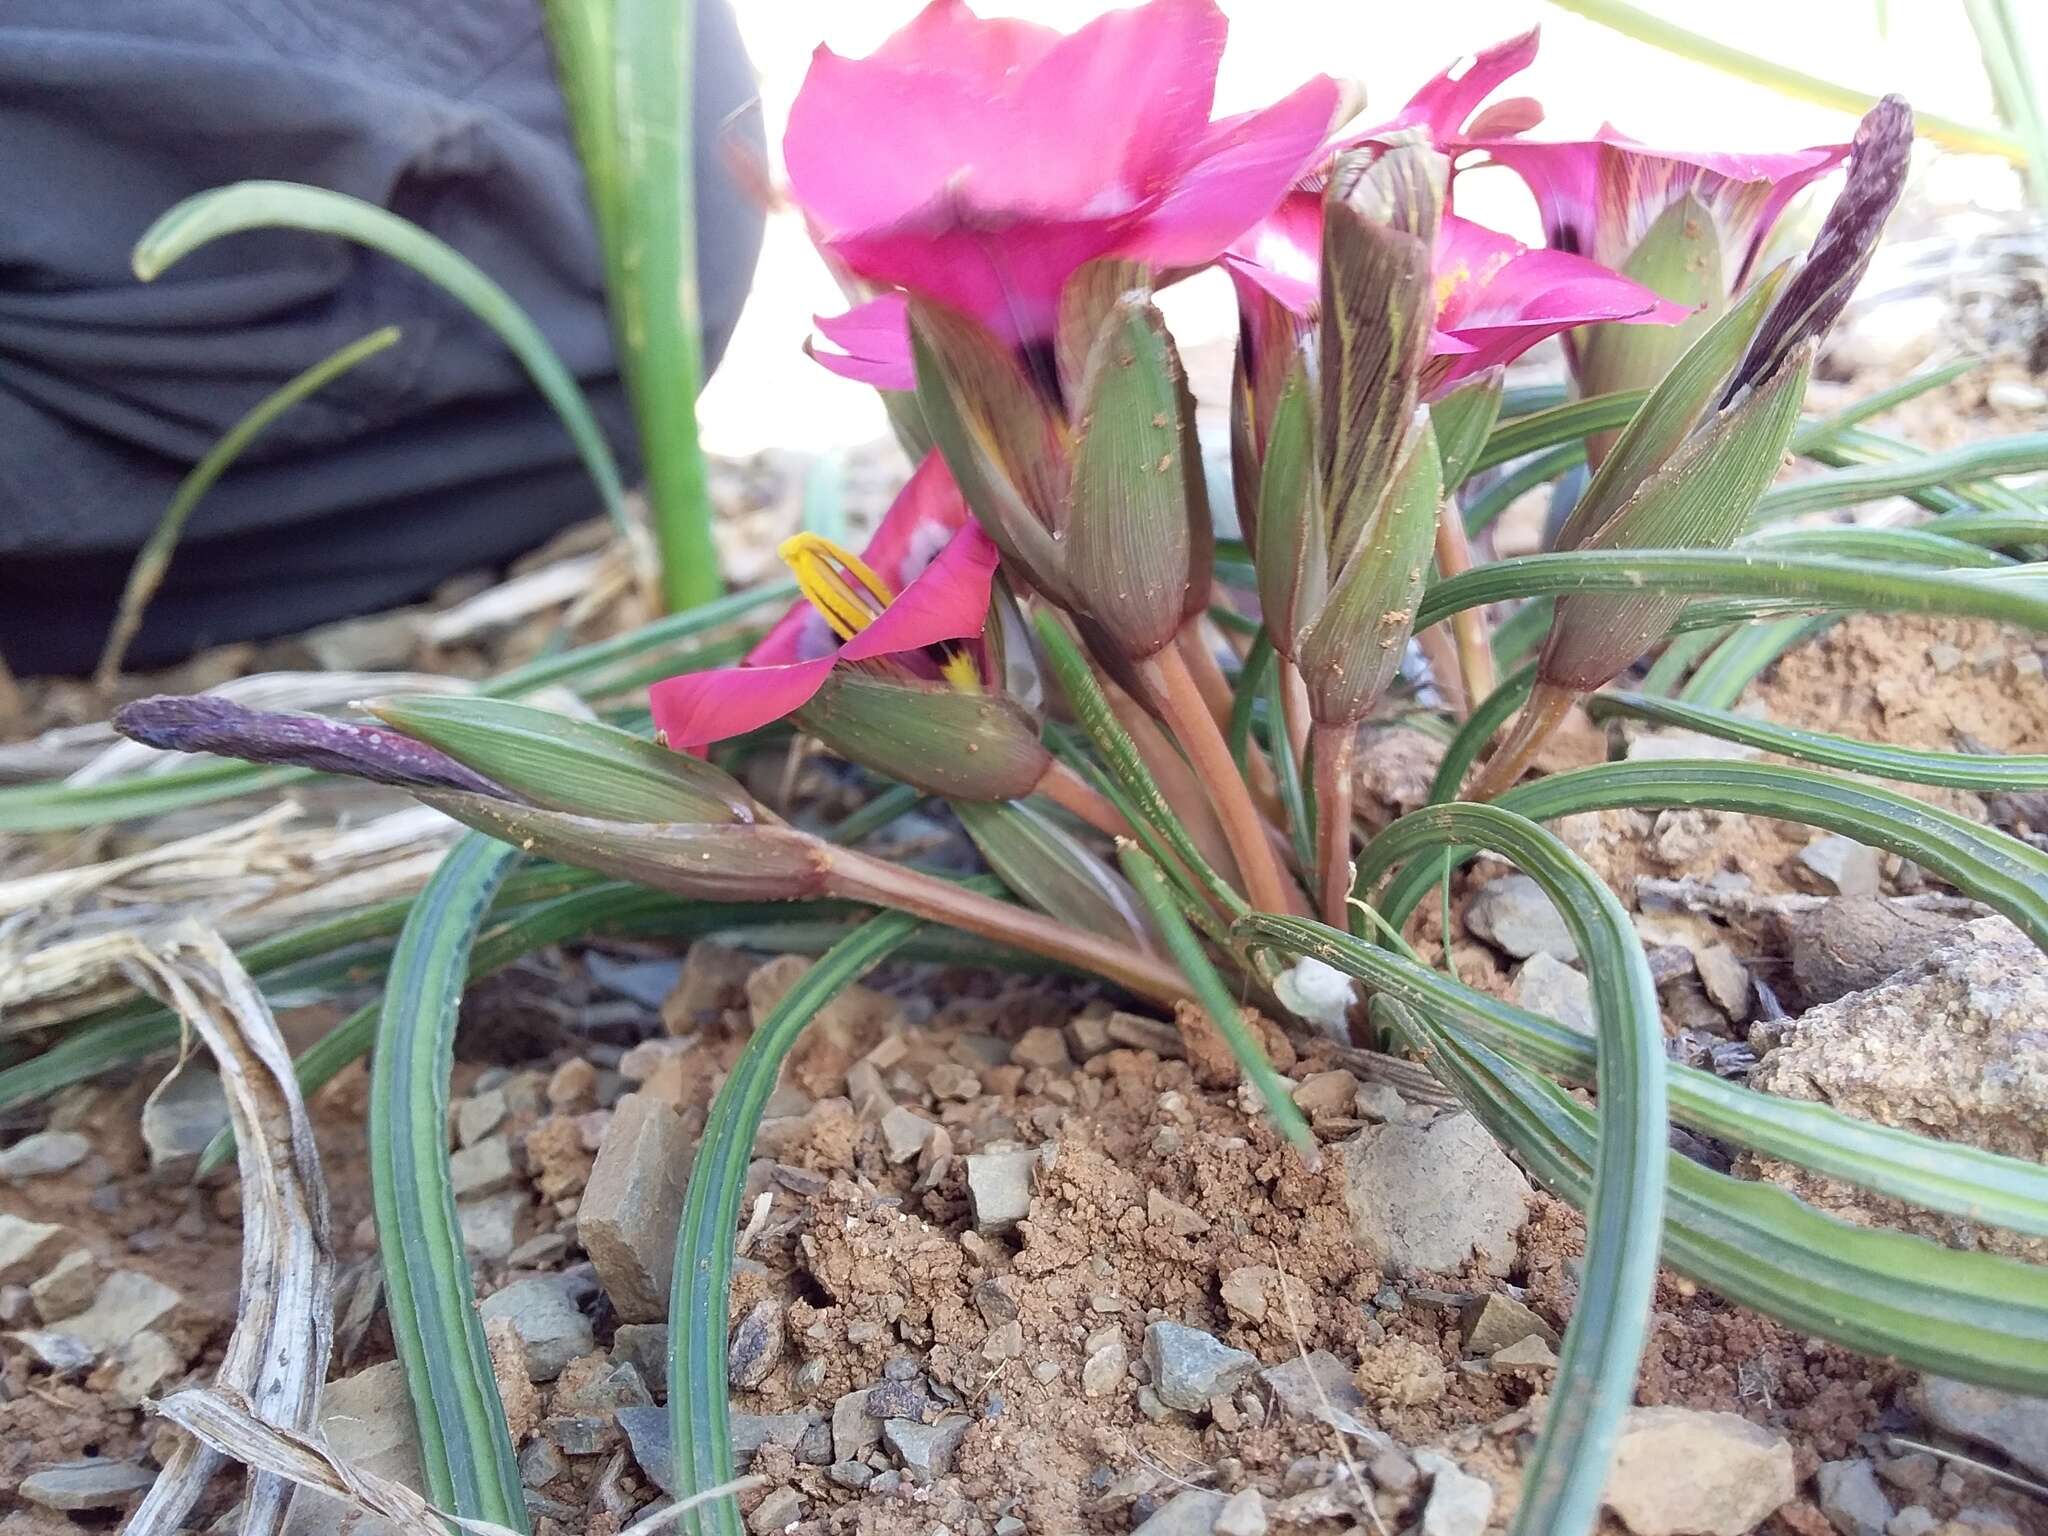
[1496,298]
[1447,105]
[933,567]
[1600,196]
[978,163]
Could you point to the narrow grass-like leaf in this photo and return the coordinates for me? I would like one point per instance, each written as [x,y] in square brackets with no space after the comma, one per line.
[699,1422]
[1633,21]
[1908,546]
[1681,652]
[466,1455]
[1478,729]
[1950,1177]
[1741,658]
[2023,454]
[572,765]
[1516,639]
[1223,1009]
[207,216]
[1120,756]
[1825,430]
[1465,418]
[1955,770]
[154,558]
[891,805]
[1998,870]
[1998,530]
[574,667]
[1570,423]
[1249,690]
[1814,580]
[1485,508]
[1053,870]
[1597,1368]
[1295,797]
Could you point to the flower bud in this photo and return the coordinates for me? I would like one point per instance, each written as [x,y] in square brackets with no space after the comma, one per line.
[964,746]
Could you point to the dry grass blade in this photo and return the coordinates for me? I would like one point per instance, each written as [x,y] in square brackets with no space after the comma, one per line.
[277,1354]
[224,1422]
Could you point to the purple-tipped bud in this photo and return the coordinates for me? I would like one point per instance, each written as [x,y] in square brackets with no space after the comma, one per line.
[1813,299]
[202,723]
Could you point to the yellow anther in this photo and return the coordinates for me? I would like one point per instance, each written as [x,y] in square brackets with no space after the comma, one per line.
[836,582]
[959,669]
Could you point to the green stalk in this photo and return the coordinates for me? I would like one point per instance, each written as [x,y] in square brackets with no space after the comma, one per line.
[655,309]
[1631,21]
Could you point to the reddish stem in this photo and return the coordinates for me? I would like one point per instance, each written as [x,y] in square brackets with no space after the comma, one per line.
[1245,829]
[1547,706]
[1068,790]
[1332,747]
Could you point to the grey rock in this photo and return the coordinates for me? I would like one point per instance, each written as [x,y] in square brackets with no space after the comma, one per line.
[366,1420]
[1379,1102]
[751,1431]
[143,1365]
[479,1115]
[580,1434]
[1683,1472]
[777,1512]
[491,1225]
[1189,1366]
[1850,1497]
[382,642]
[999,1188]
[94,1483]
[851,1474]
[1459,1503]
[996,1299]
[633,1205]
[61,1353]
[1843,864]
[2005,1421]
[1546,985]
[646,982]
[1243,1514]
[26,1247]
[184,1114]
[926,1450]
[1526,1354]
[540,1464]
[756,1346]
[1951,1048]
[1431,1197]
[1855,942]
[1726,979]
[1498,1321]
[44,1153]
[855,1431]
[1513,914]
[68,1288]
[898,1397]
[605,1392]
[551,1327]
[1105,1369]
[1664,746]
[648,1439]
[646,1345]
[712,979]
[1913,1520]
[126,1303]
[1191,1512]
[1318,1387]
[904,1133]
[483,1169]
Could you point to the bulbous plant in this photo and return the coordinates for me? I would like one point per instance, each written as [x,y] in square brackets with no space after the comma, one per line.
[1048,632]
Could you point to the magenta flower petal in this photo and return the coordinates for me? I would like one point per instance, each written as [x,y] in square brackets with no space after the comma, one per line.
[999,158]
[920,522]
[948,37]
[1447,103]
[1499,298]
[873,341]
[949,601]
[1599,196]
[1246,162]
[698,708]
[1283,252]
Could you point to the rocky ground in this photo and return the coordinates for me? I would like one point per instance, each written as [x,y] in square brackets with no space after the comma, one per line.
[1017,1261]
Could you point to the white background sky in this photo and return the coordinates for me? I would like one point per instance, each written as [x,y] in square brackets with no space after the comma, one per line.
[766,392]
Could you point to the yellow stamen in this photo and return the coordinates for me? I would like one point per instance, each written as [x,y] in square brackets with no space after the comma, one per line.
[836,582]
[959,669]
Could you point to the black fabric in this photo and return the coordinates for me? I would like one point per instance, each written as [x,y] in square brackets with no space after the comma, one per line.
[435,456]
